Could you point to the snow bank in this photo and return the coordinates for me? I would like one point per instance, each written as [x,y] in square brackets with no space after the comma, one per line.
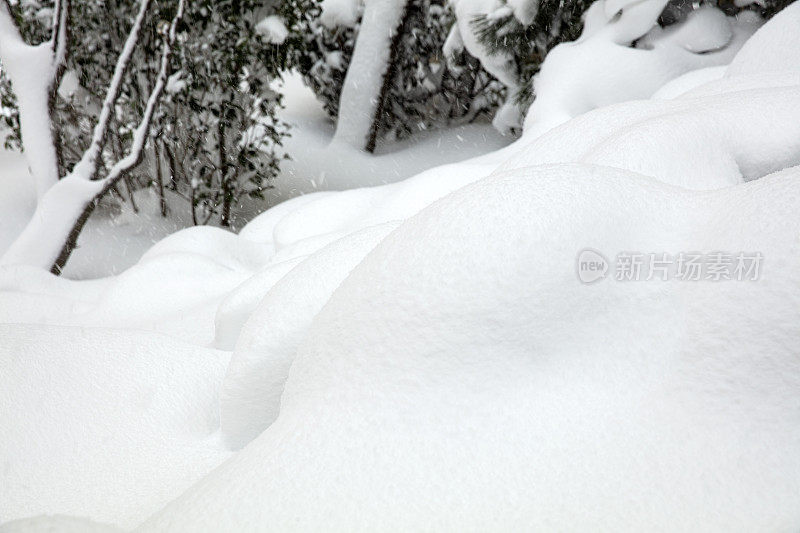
[175,289]
[689,81]
[468,380]
[107,424]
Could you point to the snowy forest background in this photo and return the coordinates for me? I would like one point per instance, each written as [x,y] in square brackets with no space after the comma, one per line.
[380,265]
[213,147]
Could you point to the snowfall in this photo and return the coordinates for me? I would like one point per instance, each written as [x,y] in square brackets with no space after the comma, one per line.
[404,343]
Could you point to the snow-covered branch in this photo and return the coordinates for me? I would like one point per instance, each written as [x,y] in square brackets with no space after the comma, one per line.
[87,166]
[52,234]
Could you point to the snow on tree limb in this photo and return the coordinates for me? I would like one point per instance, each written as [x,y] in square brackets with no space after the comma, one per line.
[9,33]
[87,166]
[51,235]
[34,72]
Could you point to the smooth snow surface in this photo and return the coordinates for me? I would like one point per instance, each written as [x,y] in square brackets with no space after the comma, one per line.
[422,355]
[773,49]
[108,424]
[469,381]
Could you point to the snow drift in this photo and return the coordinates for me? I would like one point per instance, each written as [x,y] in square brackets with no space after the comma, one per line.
[422,355]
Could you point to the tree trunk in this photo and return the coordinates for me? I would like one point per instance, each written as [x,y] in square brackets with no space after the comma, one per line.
[36,94]
[162,201]
[227,193]
[389,75]
[364,90]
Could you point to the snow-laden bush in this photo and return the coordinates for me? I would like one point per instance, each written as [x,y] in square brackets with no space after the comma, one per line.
[512,38]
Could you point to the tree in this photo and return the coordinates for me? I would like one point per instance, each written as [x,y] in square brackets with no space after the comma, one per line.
[422,87]
[211,135]
[49,238]
[226,55]
[368,77]
[219,133]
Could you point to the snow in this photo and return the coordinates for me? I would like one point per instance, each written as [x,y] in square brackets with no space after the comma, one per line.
[60,523]
[340,13]
[689,81]
[318,165]
[692,142]
[468,380]
[134,415]
[421,354]
[601,68]
[175,83]
[262,357]
[273,29]
[774,49]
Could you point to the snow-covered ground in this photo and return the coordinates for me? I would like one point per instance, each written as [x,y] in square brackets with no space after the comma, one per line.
[470,348]
[318,166]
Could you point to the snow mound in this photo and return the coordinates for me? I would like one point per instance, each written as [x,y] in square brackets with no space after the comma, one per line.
[108,424]
[263,355]
[469,381]
[775,47]
[214,244]
[237,306]
[261,229]
[696,143]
